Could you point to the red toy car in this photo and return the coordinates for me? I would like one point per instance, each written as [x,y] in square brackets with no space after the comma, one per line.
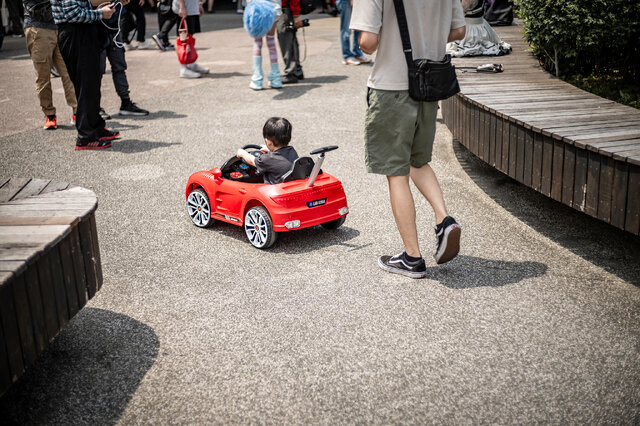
[235,193]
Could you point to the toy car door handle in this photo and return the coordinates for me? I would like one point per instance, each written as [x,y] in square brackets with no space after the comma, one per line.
[242,191]
[324,149]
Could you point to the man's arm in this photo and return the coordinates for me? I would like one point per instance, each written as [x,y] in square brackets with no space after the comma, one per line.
[368,42]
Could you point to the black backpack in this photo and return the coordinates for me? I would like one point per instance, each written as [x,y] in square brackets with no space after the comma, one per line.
[307,6]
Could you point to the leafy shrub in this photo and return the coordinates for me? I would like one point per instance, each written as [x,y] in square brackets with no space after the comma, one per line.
[577,37]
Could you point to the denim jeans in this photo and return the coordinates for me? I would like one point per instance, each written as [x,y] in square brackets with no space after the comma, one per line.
[344,6]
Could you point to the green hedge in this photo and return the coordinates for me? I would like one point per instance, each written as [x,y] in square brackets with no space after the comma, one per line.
[585,37]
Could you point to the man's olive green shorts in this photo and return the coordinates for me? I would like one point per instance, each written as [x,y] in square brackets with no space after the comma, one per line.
[399,132]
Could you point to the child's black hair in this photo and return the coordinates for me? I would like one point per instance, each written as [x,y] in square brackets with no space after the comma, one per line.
[278,131]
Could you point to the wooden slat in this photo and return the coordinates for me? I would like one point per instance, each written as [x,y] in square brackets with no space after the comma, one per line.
[568,175]
[520,156]
[57,279]
[84,229]
[536,173]
[605,192]
[34,187]
[68,276]
[48,298]
[580,182]
[96,250]
[10,330]
[632,221]
[11,188]
[5,371]
[25,323]
[593,184]
[78,268]
[513,149]
[55,186]
[557,170]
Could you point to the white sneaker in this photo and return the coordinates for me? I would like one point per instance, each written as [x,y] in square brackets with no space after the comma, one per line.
[350,61]
[147,44]
[364,59]
[130,46]
[197,68]
[187,73]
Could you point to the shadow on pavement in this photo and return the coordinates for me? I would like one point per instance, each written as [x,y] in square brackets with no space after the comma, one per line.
[134,146]
[153,115]
[472,272]
[296,242]
[616,251]
[294,91]
[226,74]
[87,375]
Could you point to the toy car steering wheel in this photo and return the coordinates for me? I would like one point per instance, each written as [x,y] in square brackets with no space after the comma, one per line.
[256,154]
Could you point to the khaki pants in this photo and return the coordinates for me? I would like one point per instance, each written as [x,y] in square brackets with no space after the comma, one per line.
[42,45]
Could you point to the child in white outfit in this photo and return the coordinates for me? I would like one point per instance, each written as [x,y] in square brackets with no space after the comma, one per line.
[190,10]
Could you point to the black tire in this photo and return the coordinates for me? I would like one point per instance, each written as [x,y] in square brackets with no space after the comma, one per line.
[258,227]
[199,208]
[334,224]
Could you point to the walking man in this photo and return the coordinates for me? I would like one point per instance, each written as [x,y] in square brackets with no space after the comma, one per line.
[42,44]
[399,131]
[287,26]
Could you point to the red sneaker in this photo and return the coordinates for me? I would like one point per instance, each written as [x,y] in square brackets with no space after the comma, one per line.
[50,124]
[108,135]
[99,144]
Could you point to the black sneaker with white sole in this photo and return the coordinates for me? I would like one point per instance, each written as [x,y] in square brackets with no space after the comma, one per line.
[399,264]
[129,108]
[447,240]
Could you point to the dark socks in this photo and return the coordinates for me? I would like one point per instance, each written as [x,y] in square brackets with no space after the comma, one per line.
[411,259]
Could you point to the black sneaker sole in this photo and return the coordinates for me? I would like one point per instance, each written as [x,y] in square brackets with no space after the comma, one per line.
[451,243]
[97,146]
[404,272]
[125,112]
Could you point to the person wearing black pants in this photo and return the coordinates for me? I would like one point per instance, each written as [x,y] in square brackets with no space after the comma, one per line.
[80,44]
[166,20]
[139,24]
[287,26]
[118,67]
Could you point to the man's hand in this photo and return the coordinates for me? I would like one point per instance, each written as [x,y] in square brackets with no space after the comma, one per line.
[107,11]
[297,22]
[124,2]
[182,12]
[368,42]
[141,3]
[201,11]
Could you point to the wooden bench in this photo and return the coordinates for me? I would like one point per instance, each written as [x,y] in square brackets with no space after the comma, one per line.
[49,266]
[570,145]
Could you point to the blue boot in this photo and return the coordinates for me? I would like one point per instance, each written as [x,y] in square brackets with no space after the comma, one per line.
[274,76]
[256,78]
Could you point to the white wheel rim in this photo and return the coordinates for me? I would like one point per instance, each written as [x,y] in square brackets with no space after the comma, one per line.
[255,225]
[198,208]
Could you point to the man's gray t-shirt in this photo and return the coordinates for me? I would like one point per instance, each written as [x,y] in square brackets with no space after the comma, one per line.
[273,165]
[429,21]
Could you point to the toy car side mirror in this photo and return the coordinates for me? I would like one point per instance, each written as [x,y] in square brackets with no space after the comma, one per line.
[217,173]
[323,150]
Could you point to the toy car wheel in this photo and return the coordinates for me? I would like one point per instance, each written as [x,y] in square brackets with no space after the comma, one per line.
[259,228]
[199,208]
[334,224]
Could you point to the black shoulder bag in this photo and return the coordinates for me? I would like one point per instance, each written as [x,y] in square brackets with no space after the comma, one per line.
[428,80]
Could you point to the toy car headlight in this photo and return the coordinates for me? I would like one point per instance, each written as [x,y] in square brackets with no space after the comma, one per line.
[292,224]
[343,210]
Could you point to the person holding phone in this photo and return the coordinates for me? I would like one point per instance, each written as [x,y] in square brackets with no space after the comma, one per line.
[80,41]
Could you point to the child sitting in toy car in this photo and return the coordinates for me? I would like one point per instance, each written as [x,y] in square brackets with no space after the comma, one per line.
[278,156]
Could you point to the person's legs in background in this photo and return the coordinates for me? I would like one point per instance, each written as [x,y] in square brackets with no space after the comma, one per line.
[274,74]
[67,84]
[256,78]
[40,45]
[166,21]
[289,48]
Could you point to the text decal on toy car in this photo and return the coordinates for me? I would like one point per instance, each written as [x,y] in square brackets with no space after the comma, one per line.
[316,202]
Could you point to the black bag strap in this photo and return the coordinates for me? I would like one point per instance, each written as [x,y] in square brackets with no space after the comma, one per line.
[404,32]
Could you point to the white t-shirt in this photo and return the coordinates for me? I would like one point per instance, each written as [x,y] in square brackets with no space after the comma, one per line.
[429,21]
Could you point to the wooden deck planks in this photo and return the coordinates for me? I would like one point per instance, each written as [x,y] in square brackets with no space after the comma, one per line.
[49,266]
[568,144]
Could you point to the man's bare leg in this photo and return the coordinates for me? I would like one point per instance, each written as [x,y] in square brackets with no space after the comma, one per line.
[427,183]
[404,212]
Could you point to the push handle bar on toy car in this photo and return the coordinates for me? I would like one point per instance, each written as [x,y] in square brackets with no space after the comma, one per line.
[316,167]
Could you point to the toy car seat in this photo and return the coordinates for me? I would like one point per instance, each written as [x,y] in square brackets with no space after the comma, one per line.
[300,169]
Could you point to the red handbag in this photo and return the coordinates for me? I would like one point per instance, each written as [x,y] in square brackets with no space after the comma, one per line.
[186,45]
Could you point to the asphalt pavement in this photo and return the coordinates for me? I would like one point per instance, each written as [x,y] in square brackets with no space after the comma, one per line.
[536,321]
